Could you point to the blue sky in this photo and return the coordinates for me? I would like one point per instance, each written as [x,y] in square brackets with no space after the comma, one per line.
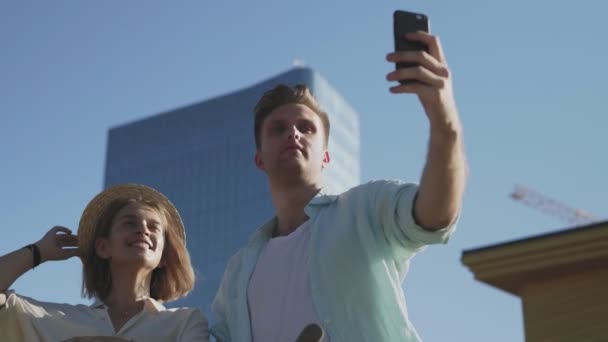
[529,80]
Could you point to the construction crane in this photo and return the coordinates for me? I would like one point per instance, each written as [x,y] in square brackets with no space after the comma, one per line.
[551,206]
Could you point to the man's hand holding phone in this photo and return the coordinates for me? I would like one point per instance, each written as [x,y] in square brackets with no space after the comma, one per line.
[421,67]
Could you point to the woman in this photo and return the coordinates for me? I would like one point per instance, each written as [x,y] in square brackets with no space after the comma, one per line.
[132,244]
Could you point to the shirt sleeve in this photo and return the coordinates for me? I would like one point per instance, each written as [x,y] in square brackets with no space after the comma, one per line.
[12,316]
[197,328]
[394,206]
[220,329]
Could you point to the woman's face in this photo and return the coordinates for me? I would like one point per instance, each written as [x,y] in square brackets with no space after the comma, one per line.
[137,237]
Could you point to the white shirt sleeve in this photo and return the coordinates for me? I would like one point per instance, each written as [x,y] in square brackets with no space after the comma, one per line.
[12,316]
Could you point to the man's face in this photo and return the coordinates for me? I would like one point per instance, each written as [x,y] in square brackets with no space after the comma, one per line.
[292,144]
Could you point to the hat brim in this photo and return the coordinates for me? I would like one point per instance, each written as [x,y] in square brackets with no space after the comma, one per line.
[97,206]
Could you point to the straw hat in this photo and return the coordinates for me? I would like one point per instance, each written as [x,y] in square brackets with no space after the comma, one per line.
[95,208]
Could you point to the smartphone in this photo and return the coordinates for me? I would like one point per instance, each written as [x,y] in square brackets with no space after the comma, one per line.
[405,22]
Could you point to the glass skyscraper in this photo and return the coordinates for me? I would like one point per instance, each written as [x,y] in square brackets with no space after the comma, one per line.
[202,158]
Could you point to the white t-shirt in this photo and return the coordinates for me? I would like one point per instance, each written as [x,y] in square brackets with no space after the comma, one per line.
[280,303]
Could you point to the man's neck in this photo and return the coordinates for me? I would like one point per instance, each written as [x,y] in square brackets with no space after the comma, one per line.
[289,203]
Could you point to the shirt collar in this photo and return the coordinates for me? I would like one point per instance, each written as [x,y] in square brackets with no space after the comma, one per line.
[321,199]
[264,233]
[150,304]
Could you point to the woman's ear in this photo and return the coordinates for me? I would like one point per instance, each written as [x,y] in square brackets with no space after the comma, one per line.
[101,248]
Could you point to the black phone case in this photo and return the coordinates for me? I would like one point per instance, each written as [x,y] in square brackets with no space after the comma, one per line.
[405,22]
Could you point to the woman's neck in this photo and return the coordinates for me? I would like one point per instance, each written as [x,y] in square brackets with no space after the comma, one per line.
[128,288]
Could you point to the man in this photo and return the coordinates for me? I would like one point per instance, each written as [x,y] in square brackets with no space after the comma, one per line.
[339,261]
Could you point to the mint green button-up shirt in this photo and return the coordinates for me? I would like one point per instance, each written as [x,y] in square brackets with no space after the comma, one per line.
[361,243]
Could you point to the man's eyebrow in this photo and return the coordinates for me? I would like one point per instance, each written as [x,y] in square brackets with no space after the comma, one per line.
[276,120]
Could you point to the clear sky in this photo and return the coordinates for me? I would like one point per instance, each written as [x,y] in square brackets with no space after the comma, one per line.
[530,81]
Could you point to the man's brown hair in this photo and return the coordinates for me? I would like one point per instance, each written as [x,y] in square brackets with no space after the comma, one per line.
[281,95]
[173,279]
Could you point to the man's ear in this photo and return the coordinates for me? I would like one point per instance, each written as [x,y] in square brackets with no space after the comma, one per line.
[326,158]
[101,248]
[258,161]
